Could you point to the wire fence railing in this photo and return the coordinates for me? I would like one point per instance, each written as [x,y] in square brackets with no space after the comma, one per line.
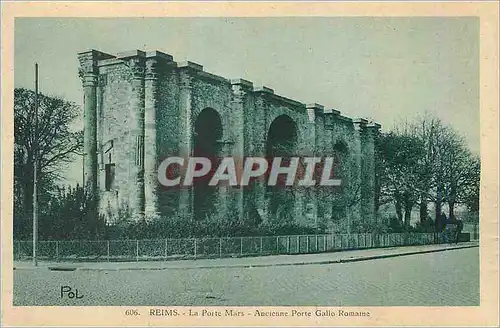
[193,248]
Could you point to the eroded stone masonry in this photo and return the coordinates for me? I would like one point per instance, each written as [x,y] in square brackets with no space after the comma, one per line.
[141,107]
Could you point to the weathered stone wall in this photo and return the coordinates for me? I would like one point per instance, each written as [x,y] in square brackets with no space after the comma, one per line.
[147,105]
[116,144]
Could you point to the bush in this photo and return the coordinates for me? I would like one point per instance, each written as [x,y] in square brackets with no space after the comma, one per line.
[425,226]
[373,227]
[396,225]
[214,225]
[276,229]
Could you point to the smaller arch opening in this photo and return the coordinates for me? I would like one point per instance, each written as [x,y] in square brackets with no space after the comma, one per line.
[341,197]
[208,133]
[281,142]
[340,156]
[282,137]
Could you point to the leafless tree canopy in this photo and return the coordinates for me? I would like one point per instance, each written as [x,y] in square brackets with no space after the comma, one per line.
[424,162]
[52,142]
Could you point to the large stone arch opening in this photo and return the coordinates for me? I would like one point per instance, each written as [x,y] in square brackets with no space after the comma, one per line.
[282,137]
[344,196]
[341,157]
[282,141]
[208,131]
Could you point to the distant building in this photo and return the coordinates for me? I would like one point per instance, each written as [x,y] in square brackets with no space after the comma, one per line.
[142,107]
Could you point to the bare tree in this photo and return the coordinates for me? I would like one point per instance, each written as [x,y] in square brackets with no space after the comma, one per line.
[426,161]
[400,154]
[448,168]
[55,143]
[460,171]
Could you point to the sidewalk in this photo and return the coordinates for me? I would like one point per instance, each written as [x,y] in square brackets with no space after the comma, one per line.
[247,262]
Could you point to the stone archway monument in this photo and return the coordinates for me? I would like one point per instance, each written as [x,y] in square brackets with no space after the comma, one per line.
[142,107]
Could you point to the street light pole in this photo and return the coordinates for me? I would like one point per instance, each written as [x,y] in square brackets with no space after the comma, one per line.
[35,170]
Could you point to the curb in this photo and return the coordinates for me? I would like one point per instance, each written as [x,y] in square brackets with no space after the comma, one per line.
[229,266]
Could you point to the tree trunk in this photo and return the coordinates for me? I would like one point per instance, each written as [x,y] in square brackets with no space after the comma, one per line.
[408,205]
[27,197]
[408,208]
[438,202]
[423,210]
[399,209]
[438,209]
[377,193]
[451,213]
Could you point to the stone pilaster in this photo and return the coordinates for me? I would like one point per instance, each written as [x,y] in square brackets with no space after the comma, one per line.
[89,74]
[90,130]
[368,134]
[241,89]
[258,189]
[136,62]
[154,60]
[328,193]
[186,71]
[359,211]
[311,195]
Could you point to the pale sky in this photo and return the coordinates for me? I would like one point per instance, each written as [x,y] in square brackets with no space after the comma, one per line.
[385,69]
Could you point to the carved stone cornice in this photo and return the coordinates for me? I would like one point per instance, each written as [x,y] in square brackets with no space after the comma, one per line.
[89,63]
[137,67]
[89,80]
[241,88]
[185,80]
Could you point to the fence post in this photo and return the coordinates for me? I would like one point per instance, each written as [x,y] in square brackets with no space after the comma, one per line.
[261,250]
[317,245]
[298,244]
[107,247]
[166,249]
[277,245]
[195,248]
[137,250]
[220,247]
[57,250]
[241,246]
[307,244]
[288,245]
[324,243]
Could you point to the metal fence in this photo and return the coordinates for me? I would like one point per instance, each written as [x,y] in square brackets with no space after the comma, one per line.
[192,248]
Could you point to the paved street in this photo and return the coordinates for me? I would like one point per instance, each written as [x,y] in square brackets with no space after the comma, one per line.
[443,278]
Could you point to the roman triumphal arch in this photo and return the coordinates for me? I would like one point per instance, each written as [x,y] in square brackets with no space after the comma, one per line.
[142,107]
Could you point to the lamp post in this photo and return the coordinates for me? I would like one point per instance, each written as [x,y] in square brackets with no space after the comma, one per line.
[35,171]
